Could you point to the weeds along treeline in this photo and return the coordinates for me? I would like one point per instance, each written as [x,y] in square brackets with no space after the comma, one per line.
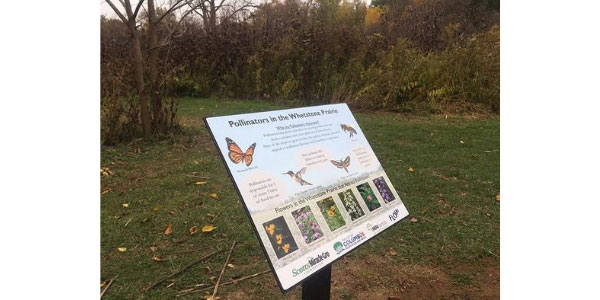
[428,56]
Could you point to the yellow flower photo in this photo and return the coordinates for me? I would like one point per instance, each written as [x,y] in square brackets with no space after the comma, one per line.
[330,213]
[280,237]
[270,229]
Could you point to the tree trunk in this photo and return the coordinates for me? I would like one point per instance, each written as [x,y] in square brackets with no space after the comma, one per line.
[213,16]
[153,68]
[139,81]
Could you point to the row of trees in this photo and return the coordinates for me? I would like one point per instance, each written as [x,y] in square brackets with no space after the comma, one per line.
[404,55]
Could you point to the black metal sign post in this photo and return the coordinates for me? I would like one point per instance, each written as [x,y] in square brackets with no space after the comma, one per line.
[318,287]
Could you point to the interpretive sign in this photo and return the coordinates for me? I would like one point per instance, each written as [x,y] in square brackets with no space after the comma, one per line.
[310,183]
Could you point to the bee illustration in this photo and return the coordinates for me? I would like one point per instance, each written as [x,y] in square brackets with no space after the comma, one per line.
[348,129]
[342,164]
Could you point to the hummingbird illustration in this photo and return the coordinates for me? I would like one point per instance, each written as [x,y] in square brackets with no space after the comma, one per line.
[298,176]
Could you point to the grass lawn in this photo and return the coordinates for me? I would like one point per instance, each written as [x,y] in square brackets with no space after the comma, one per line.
[450,249]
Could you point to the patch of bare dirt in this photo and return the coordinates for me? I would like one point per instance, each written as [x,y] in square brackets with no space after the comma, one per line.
[378,277]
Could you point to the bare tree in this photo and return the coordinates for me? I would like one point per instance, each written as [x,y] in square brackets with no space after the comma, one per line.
[212,10]
[130,20]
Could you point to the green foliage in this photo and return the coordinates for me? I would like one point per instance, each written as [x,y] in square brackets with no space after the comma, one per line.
[464,77]
[118,119]
[409,56]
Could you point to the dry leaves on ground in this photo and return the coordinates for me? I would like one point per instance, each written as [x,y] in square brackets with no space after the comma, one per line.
[208,228]
[193,229]
[158,259]
[106,171]
[168,229]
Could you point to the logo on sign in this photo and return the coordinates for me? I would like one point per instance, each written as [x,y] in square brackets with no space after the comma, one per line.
[375,227]
[349,242]
[338,247]
[312,262]
[394,215]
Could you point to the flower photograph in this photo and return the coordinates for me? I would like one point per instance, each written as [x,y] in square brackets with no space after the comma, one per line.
[307,224]
[280,236]
[383,189]
[351,205]
[368,196]
[331,213]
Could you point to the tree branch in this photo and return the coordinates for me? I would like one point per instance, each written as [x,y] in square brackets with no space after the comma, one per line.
[137,8]
[121,16]
[175,6]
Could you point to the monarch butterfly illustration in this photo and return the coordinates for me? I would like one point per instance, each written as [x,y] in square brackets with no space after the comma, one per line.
[348,129]
[237,155]
[342,164]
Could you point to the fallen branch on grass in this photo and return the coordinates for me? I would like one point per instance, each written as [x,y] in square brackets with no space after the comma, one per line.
[234,281]
[223,270]
[182,269]
[108,285]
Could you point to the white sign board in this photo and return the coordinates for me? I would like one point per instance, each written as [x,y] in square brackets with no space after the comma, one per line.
[310,183]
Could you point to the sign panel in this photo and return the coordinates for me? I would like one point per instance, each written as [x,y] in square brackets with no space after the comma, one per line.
[310,183]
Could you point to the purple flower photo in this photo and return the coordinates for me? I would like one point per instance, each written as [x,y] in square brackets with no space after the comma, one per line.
[307,224]
[383,189]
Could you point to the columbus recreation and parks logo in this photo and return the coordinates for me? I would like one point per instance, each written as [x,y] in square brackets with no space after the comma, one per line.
[312,262]
[348,242]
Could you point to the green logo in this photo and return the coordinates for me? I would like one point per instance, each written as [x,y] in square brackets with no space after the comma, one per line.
[338,247]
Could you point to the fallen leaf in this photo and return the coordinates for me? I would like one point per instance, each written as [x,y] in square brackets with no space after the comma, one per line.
[193,229]
[411,169]
[196,162]
[158,259]
[156,208]
[200,182]
[105,191]
[414,220]
[181,240]
[153,248]
[125,205]
[214,196]
[462,142]
[208,228]
[122,249]
[106,171]
[231,266]
[393,252]
[498,198]
[102,283]
[168,229]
